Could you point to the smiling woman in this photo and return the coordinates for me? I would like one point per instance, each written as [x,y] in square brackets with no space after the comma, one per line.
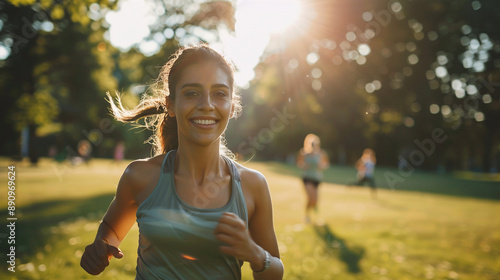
[200,214]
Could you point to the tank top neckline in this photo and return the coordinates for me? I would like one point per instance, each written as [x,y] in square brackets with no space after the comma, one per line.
[313,154]
[169,168]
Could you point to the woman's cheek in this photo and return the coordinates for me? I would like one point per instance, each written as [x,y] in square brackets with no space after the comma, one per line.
[226,106]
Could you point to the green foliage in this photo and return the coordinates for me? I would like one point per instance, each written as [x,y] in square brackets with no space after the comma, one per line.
[58,68]
[37,109]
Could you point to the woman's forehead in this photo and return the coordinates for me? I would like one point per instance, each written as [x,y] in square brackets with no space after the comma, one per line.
[205,72]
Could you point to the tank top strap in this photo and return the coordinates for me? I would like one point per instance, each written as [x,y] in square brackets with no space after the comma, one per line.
[159,192]
[233,170]
[237,192]
[168,163]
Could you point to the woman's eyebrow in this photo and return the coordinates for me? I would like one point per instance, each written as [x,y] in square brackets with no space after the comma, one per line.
[220,86]
[198,85]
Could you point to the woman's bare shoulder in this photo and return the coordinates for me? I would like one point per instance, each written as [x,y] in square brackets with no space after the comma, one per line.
[141,173]
[145,163]
[251,178]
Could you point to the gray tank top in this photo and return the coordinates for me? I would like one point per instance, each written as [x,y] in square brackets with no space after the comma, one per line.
[312,171]
[176,240]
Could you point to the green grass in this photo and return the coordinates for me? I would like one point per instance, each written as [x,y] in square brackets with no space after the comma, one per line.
[429,227]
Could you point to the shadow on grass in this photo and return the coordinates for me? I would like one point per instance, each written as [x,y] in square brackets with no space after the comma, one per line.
[335,245]
[417,181]
[37,222]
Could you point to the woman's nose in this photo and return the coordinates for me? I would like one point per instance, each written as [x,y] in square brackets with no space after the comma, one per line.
[205,102]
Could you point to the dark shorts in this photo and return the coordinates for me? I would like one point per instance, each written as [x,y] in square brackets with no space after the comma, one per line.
[369,180]
[306,180]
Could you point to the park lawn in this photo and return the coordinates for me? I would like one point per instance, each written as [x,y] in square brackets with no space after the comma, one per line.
[406,233]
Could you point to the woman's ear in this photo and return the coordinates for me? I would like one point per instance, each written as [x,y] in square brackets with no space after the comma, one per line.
[170,107]
[233,110]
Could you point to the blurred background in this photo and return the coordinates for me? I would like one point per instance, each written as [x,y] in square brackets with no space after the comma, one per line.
[357,73]
[417,81]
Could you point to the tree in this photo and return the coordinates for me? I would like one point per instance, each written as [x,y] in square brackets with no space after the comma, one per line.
[51,67]
[386,74]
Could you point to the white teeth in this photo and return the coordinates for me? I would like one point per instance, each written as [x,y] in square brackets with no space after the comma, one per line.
[205,122]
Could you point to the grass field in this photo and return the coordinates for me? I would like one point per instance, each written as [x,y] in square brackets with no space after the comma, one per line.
[428,227]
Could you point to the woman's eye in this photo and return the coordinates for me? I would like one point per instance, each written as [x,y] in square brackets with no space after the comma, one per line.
[221,93]
[191,93]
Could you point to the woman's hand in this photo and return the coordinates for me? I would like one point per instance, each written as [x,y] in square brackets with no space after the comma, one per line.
[232,231]
[97,255]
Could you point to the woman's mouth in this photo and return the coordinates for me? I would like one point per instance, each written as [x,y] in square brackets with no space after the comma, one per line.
[204,122]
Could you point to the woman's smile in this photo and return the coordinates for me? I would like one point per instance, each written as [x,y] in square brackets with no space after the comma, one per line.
[204,122]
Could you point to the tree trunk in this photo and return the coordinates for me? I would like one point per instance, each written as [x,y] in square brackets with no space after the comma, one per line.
[33,152]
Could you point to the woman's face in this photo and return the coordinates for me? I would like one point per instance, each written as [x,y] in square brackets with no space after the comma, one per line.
[203,103]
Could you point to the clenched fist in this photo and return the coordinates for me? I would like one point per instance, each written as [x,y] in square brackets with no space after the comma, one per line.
[97,255]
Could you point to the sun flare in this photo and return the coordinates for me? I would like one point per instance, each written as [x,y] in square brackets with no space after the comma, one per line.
[256,22]
[277,15]
[283,14]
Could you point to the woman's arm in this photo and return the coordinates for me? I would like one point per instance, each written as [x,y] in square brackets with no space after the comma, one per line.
[325,162]
[261,228]
[116,223]
[300,159]
[251,245]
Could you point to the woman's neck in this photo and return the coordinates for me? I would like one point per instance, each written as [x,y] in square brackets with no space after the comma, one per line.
[199,162]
